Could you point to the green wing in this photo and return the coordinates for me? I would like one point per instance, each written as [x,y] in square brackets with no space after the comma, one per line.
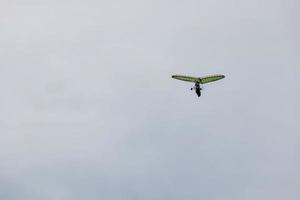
[187,78]
[208,79]
[201,80]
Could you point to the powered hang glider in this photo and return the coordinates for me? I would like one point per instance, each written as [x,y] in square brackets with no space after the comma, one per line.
[199,80]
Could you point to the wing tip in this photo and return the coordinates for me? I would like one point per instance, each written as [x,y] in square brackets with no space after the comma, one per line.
[175,76]
[220,75]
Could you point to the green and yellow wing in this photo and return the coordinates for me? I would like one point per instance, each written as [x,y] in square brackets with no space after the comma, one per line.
[187,78]
[200,80]
[212,78]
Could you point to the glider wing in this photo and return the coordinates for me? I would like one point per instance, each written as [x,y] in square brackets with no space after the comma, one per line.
[201,80]
[208,79]
[187,78]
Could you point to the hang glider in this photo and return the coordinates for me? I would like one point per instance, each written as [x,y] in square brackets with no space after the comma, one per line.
[199,80]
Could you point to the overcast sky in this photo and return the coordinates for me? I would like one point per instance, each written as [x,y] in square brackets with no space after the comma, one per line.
[88,109]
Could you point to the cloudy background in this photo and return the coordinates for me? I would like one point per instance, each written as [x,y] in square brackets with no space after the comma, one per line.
[88,109]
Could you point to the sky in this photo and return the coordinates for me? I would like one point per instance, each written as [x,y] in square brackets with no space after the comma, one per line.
[88,109]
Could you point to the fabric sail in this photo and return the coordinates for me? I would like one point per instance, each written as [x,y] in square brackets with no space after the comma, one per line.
[200,80]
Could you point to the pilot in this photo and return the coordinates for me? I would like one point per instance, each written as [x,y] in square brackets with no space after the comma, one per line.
[198,89]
